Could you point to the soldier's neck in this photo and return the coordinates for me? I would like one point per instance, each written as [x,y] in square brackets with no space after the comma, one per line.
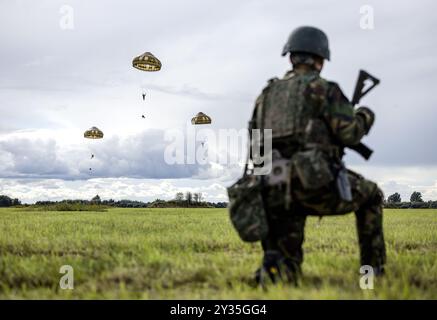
[303,68]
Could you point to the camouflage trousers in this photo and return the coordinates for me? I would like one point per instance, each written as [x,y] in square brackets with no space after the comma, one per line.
[287,225]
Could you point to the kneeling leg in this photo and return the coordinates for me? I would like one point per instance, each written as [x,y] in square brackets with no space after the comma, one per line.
[370,231]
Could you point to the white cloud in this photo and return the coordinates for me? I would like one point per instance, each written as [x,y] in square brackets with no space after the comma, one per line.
[33,154]
[69,156]
[55,84]
[32,190]
[403,179]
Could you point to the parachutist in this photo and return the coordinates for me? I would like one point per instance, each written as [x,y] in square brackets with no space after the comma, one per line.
[93,133]
[144,96]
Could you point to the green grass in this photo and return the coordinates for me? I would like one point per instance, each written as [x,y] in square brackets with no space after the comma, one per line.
[62,206]
[196,254]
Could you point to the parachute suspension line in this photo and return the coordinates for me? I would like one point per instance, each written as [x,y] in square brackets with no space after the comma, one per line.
[144,94]
[146,62]
[93,133]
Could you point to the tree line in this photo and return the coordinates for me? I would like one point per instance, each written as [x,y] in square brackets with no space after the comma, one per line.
[187,200]
[6,201]
[195,199]
[416,202]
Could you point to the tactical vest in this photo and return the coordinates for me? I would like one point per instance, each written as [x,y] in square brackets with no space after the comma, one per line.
[294,108]
[288,111]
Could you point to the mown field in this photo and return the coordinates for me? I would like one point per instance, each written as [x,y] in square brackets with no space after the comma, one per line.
[195,254]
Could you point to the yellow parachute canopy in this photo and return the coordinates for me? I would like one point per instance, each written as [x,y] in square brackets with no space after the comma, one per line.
[93,133]
[201,118]
[147,62]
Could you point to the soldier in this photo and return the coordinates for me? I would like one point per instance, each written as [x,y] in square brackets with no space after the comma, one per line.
[312,121]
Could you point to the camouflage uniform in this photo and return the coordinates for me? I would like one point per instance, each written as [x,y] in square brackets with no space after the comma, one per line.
[311,120]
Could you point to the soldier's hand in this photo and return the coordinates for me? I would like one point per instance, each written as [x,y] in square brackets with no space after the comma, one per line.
[368,117]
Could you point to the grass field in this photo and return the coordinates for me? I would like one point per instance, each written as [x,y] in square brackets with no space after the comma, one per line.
[196,254]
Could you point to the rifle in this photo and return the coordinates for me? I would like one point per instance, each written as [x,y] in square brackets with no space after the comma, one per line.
[361,148]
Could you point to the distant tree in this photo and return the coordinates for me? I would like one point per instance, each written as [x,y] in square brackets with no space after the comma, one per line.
[433,204]
[416,197]
[179,196]
[131,204]
[96,199]
[5,201]
[197,197]
[189,197]
[394,198]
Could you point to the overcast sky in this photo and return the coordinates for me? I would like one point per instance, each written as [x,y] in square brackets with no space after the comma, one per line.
[217,55]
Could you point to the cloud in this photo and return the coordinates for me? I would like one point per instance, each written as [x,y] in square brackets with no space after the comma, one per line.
[25,157]
[32,190]
[402,179]
[55,83]
[139,156]
[36,154]
[214,60]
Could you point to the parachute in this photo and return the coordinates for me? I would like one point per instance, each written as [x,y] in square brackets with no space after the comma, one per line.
[93,133]
[147,62]
[200,118]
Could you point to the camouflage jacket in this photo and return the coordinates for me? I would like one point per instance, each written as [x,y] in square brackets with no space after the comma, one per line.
[328,118]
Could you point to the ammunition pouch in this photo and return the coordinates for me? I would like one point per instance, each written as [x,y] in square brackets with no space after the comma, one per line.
[312,168]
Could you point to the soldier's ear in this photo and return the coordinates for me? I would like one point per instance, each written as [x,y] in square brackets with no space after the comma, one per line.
[318,64]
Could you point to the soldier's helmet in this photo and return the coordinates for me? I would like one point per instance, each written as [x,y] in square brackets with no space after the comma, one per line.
[308,40]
